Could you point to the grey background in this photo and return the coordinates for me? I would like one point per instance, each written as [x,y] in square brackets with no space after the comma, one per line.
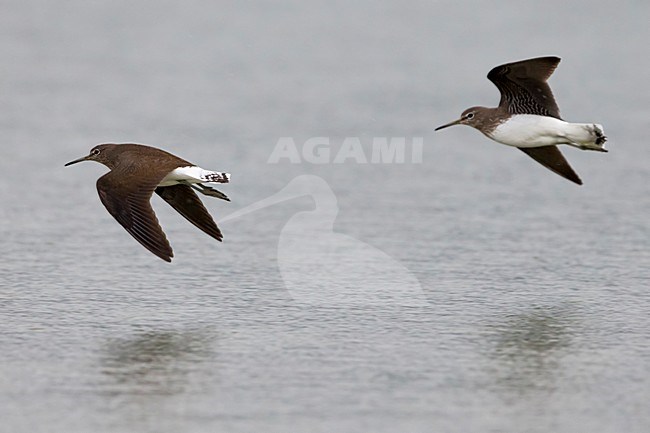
[537,289]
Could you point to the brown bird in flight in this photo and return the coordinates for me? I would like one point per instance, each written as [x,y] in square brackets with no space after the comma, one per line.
[136,172]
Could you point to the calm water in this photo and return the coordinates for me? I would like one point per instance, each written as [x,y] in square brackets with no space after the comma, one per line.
[472,292]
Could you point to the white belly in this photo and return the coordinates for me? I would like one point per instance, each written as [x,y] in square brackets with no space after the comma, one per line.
[190,174]
[529,130]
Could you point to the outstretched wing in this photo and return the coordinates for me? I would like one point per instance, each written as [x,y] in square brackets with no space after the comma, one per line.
[129,203]
[523,86]
[187,203]
[551,158]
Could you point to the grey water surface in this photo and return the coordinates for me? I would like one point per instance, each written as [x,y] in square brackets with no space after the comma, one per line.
[470,290]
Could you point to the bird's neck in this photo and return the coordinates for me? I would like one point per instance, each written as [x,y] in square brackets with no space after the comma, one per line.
[490,118]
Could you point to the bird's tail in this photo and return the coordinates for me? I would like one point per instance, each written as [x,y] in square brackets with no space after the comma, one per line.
[215,176]
[587,136]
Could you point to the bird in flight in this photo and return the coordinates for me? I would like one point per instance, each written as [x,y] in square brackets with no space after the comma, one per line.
[528,117]
[137,171]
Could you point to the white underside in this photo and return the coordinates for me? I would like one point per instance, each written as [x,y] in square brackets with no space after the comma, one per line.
[193,174]
[528,130]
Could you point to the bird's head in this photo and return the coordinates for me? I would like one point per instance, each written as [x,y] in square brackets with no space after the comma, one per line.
[100,153]
[471,117]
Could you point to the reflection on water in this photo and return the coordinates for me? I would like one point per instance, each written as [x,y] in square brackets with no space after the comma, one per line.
[151,378]
[154,362]
[529,347]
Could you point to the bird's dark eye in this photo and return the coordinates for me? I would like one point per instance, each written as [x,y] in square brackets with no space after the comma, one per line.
[470,116]
[94,152]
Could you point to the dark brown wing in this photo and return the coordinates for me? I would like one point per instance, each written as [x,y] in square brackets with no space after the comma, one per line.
[129,203]
[551,158]
[188,204]
[523,86]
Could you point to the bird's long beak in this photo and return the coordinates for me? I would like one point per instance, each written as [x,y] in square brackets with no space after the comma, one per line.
[455,122]
[85,158]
